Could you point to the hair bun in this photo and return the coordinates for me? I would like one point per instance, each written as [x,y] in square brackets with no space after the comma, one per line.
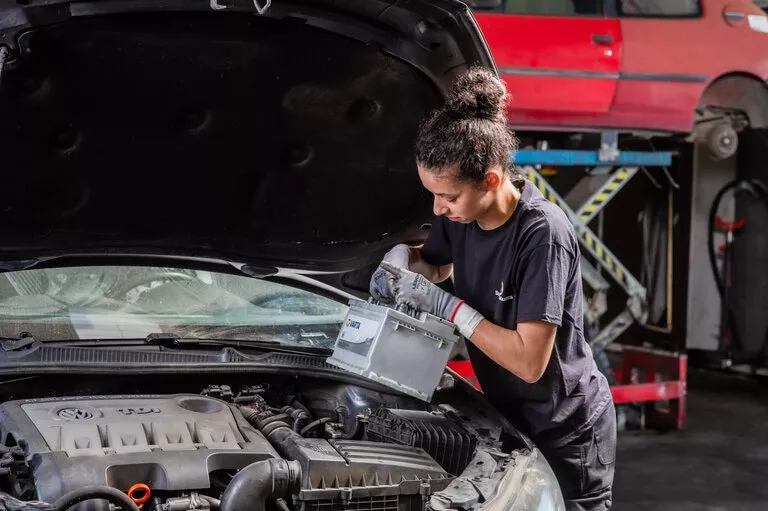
[478,93]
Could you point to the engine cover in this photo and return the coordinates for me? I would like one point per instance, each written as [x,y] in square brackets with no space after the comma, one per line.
[169,442]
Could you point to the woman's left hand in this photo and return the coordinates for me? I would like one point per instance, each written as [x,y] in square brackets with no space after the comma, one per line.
[416,291]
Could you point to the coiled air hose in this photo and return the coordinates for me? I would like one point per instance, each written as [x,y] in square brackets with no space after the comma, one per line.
[759,191]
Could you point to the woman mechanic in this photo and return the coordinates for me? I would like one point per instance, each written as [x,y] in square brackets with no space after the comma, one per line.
[514,258]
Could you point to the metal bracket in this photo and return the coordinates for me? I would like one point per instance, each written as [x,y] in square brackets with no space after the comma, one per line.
[609,146]
[597,304]
[614,329]
[636,311]
[592,277]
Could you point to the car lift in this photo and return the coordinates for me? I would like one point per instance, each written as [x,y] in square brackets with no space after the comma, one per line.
[627,165]
[641,368]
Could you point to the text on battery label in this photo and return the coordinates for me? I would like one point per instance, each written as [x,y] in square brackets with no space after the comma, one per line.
[358,329]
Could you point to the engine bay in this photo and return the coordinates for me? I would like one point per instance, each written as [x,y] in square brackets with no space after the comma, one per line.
[282,444]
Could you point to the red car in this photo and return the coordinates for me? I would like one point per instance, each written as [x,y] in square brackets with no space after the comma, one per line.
[651,66]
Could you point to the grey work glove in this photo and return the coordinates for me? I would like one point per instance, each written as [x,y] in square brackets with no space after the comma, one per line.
[416,291]
[381,281]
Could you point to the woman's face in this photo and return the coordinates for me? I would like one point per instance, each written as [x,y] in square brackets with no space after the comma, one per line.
[459,201]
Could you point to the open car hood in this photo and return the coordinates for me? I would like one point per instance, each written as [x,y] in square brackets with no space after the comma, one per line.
[221,128]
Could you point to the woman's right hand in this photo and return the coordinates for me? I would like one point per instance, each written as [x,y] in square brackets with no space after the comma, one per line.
[381,285]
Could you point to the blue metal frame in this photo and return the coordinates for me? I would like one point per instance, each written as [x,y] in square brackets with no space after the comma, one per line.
[569,158]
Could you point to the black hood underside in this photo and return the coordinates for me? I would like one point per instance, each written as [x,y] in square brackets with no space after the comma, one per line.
[285,137]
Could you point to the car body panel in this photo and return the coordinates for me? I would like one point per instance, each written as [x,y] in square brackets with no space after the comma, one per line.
[647,83]
[553,63]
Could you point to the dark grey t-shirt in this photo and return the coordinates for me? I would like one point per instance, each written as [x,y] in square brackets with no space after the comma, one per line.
[528,270]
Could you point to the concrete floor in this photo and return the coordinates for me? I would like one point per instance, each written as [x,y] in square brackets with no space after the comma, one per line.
[719,462]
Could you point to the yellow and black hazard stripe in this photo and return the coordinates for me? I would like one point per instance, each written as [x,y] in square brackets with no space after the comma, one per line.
[588,239]
[546,190]
[607,260]
[606,192]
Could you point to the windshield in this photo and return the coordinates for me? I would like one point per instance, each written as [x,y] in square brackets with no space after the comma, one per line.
[128,302]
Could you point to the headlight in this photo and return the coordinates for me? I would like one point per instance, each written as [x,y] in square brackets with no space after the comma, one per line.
[540,490]
[528,486]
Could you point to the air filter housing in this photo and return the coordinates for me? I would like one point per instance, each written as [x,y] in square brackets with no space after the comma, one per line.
[442,438]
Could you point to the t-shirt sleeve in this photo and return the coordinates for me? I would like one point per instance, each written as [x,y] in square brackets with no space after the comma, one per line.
[437,247]
[543,284]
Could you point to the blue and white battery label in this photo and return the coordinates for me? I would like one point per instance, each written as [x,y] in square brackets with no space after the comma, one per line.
[358,330]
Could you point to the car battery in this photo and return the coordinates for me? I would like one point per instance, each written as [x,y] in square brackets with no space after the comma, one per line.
[400,348]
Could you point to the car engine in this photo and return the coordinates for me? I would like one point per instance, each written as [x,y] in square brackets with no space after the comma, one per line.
[254,449]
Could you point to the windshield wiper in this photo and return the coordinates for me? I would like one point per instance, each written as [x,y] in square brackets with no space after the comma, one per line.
[167,340]
[171,340]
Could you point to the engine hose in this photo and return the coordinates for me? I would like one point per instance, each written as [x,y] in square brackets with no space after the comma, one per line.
[299,424]
[273,426]
[309,427]
[290,410]
[261,423]
[113,495]
[343,413]
[251,414]
[357,431]
[759,191]
[214,503]
[300,417]
[266,479]
[278,432]
[294,402]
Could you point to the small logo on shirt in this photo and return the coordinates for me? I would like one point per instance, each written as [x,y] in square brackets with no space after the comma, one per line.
[500,294]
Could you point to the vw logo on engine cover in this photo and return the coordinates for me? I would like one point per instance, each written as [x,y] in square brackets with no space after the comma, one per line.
[74,414]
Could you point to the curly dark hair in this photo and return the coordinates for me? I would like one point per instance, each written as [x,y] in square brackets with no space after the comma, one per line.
[470,132]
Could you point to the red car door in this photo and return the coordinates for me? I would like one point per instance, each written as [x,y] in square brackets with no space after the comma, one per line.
[675,49]
[554,55]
